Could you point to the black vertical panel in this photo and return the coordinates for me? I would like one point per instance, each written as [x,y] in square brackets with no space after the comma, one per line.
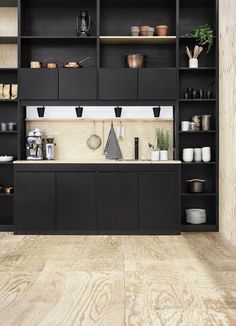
[35,201]
[159,202]
[117,205]
[76,200]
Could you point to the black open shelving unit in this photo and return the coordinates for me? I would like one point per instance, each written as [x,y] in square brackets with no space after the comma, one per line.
[8,139]
[47,28]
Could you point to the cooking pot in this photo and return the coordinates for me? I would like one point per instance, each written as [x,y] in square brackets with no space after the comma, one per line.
[196,185]
[135,60]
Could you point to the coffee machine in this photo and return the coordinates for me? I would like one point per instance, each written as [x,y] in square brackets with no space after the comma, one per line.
[34,145]
[83,24]
[50,148]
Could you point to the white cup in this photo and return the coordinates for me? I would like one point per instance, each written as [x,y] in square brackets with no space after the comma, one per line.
[197,154]
[188,154]
[206,154]
[193,63]
[185,125]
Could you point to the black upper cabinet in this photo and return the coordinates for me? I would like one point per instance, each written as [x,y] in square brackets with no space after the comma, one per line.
[117,204]
[118,84]
[78,84]
[76,200]
[157,84]
[38,84]
[156,214]
[35,201]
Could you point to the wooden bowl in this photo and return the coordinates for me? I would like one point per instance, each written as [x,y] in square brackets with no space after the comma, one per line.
[52,65]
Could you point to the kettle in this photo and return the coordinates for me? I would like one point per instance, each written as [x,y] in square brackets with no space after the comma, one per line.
[83,23]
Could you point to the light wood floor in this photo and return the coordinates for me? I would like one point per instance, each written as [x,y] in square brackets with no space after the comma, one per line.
[115,281]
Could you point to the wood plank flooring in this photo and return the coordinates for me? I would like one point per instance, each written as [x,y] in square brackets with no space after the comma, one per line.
[117,280]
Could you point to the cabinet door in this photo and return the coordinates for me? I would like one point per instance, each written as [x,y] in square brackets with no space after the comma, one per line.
[34,201]
[78,84]
[38,84]
[117,205]
[156,84]
[76,200]
[159,202]
[118,84]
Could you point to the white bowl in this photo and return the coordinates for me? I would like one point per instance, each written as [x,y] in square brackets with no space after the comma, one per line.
[6,158]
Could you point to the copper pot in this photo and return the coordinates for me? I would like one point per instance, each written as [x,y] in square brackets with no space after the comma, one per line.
[161,30]
[135,60]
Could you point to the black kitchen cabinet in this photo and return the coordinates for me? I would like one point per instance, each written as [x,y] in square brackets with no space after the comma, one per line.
[118,84]
[157,84]
[35,201]
[76,200]
[38,84]
[117,203]
[158,202]
[78,84]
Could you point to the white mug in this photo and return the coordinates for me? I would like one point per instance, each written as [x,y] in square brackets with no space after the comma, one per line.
[193,63]
[197,154]
[155,155]
[188,154]
[185,125]
[206,154]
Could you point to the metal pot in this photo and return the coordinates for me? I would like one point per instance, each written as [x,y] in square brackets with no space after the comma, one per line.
[135,60]
[196,185]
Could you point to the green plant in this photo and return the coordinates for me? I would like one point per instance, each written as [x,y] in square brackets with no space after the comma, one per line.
[204,35]
[163,139]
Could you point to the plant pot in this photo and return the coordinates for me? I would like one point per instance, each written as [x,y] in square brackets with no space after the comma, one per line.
[161,30]
[155,155]
[156,111]
[41,112]
[118,112]
[193,63]
[164,155]
[79,112]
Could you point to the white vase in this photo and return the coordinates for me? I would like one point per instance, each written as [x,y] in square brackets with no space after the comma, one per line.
[155,155]
[197,154]
[193,63]
[163,155]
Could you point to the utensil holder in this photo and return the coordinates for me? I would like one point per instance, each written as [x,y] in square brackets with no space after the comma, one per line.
[193,63]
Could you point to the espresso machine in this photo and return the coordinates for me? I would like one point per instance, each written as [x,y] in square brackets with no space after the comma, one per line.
[50,148]
[34,145]
[83,24]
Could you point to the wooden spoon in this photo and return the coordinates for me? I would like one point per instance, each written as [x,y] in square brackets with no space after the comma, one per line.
[196,48]
[188,52]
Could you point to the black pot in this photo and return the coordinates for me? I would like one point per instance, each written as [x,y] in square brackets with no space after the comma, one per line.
[41,112]
[196,185]
[79,111]
[156,111]
[118,111]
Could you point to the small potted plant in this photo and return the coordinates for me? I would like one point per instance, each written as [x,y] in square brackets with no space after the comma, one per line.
[204,36]
[163,140]
[155,153]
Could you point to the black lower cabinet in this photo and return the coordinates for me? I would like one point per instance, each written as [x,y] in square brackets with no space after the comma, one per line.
[117,201]
[158,204]
[97,199]
[35,201]
[76,200]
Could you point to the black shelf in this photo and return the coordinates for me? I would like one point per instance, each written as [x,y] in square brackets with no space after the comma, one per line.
[8,40]
[8,132]
[6,195]
[60,38]
[196,69]
[197,100]
[6,227]
[7,101]
[204,194]
[199,228]
[197,132]
[198,163]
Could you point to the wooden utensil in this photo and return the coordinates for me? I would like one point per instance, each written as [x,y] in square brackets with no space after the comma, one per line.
[189,54]
[195,51]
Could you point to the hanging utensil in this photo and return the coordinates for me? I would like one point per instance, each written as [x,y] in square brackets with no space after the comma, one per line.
[94,141]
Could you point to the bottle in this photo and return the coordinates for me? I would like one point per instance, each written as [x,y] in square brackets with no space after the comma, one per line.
[136,148]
